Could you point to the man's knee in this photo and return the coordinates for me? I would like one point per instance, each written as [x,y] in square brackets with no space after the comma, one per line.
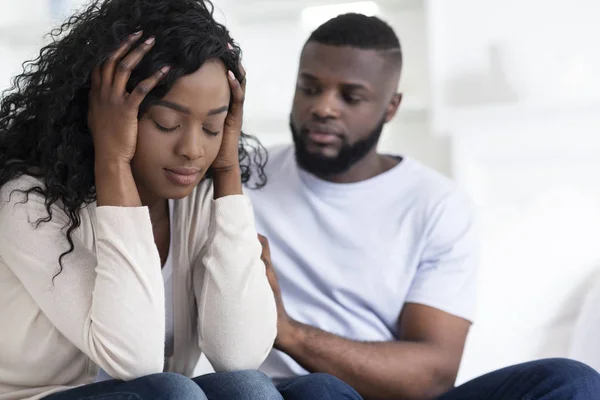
[570,374]
[322,385]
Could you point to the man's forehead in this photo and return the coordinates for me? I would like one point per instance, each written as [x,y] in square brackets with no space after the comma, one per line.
[343,62]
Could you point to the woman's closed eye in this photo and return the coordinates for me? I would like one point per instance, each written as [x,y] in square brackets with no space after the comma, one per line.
[165,128]
[211,133]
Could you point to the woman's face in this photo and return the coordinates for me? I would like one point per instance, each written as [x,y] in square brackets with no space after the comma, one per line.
[180,135]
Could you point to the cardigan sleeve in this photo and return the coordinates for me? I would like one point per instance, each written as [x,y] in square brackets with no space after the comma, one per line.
[108,301]
[237,321]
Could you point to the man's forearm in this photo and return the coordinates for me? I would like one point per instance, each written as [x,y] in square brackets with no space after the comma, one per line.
[381,370]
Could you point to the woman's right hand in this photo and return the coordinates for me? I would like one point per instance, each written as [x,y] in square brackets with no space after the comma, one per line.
[113,113]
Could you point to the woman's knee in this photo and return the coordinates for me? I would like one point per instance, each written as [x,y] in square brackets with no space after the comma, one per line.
[171,386]
[239,385]
[257,383]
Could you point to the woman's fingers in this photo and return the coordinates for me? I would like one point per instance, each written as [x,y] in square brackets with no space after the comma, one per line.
[109,67]
[237,89]
[144,87]
[236,111]
[96,78]
[127,64]
[243,73]
[113,76]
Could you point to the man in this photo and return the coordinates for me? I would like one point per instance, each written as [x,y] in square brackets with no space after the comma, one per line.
[375,254]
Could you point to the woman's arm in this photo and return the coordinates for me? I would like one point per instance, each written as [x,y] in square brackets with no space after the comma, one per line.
[237,321]
[237,318]
[109,304]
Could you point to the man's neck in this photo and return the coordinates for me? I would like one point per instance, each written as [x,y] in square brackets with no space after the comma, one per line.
[368,167]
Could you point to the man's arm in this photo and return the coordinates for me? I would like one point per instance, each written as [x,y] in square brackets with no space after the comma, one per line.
[423,364]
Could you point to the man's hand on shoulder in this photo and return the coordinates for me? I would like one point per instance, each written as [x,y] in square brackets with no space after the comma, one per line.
[287,329]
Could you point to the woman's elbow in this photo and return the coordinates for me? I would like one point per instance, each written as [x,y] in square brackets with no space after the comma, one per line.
[128,363]
[237,362]
[241,354]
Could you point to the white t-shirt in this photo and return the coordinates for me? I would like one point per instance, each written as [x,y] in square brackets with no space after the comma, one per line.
[167,273]
[349,256]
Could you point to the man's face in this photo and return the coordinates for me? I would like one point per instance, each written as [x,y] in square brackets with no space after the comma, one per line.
[343,98]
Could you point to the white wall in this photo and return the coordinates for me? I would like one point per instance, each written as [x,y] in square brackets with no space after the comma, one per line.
[539,202]
[517,91]
[527,53]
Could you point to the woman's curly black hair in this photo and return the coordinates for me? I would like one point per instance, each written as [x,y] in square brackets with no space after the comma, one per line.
[43,117]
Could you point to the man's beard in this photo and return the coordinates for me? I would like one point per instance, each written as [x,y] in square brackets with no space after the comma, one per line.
[348,155]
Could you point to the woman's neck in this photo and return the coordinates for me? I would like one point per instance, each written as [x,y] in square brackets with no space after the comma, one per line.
[158,206]
[161,225]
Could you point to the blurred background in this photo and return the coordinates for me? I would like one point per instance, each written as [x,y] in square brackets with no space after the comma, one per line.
[502,96]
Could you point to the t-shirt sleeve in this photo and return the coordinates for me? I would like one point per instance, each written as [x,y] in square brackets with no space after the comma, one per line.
[446,275]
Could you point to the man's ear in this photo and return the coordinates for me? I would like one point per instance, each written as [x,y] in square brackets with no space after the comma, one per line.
[392,107]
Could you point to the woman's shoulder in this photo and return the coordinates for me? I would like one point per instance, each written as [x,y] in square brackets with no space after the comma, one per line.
[16,189]
[27,193]
[23,205]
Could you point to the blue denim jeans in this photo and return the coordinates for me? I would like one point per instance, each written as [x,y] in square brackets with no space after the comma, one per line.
[551,379]
[318,387]
[165,386]
[239,385]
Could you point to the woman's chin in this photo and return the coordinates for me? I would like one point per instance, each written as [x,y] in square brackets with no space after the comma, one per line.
[179,193]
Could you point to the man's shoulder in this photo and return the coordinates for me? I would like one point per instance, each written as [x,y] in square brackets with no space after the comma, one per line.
[426,177]
[433,188]
[279,155]
[279,159]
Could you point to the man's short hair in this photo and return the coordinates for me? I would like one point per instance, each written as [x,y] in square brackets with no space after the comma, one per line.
[360,31]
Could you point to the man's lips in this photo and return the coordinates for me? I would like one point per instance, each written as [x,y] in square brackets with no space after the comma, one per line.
[321,134]
[323,137]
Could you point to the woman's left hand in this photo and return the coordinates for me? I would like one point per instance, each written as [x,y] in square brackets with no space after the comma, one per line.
[227,158]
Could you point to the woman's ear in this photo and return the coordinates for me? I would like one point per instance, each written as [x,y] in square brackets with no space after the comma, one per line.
[392,107]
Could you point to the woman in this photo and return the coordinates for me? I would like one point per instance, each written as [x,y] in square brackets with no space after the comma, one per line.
[120,163]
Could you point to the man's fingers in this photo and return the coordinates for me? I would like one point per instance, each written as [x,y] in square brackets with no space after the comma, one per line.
[266,251]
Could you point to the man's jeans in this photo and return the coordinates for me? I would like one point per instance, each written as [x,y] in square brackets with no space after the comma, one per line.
[552,379]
